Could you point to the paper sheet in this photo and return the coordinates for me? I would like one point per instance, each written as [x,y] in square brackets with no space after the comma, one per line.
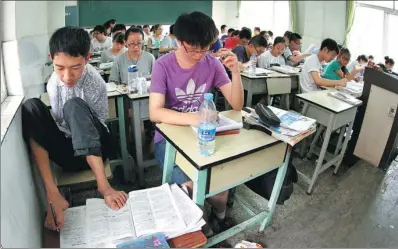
[224,124]
[154,210]
[73,233]
[104,225]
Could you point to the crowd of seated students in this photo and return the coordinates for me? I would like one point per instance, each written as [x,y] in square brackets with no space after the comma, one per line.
[74,134]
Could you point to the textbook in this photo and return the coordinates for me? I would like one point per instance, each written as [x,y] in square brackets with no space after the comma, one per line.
[224,125]
[345,97]
[165,209]
[157,240]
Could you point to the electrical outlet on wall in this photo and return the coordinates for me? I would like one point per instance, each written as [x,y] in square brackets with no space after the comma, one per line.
[392,110]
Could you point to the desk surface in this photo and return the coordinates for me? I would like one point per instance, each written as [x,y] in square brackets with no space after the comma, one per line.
[322,99]
[228,148]
[138,96]
[189,240]
[270,74]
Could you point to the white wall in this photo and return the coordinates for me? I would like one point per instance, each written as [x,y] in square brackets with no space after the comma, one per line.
[26,27]
[318,20]
[225,12]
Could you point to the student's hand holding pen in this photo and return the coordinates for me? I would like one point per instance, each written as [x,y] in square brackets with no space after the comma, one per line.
[229,60]
[55,211]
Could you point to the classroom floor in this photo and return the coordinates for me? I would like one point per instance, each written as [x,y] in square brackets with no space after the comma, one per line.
[356,208]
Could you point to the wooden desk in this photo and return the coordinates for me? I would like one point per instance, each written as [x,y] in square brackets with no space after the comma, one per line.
[140,106]
[237,159]
[190,240]
[124,161]
[331,114]
[271,84]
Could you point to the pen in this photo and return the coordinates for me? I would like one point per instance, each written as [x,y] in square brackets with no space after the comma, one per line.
[55,219]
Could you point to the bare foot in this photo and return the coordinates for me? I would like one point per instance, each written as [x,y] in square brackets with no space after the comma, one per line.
[59,204]
[114,199]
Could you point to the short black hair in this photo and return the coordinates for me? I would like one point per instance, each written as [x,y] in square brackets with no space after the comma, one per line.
[119,27]
[72,41]
[145,26]
[171,29]
[294,37]
[270,33]
[231,30]
[257,28]
[235,33]
[108,23]
[388,60]
[119,38]
[344,51]
[155,27]
[287,34]
[262,33]
[362,57]
[330,44]
[279,39]
[223,26]
[133,30]
[138,26]
[371,57]
[245,33]
[100,29]
[196,29]
[259,41]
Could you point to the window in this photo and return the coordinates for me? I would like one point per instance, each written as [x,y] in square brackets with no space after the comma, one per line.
[268,15]
[374,31]
[2,77]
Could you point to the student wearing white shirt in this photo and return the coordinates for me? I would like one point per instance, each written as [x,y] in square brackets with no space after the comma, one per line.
[117,49]
[360,62]
[147,34]
[101,41]
[153,44]
[273,56]
[292,52]
[169,43]
[310,77]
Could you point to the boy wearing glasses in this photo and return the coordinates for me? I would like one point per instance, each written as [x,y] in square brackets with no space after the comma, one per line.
[292,52]
[73,134]
[100,41]
[257,45]
[179,81]
[134,55]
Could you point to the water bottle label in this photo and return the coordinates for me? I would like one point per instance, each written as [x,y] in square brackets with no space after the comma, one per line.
[206,135]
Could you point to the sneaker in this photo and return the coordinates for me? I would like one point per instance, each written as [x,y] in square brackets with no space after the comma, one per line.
[220,225]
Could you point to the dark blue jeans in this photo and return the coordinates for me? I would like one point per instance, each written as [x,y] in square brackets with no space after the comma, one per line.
[178,175]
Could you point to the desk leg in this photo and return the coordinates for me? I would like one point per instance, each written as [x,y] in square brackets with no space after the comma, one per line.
[123,142]
[322,153]
[347,137]
[305,141]
[135,105]
[280,177]
[169,162]
[315,140]
[249,94]
[199,188]
[342,130]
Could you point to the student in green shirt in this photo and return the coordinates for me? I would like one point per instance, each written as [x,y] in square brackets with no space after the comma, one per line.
[337,69]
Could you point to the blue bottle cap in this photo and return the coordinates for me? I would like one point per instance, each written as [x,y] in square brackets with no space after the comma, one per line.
[132,69]
[209,96]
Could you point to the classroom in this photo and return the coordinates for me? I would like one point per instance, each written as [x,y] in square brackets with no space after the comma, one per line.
[186,124]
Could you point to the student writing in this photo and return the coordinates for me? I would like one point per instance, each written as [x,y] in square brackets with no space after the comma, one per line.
[179,81]
[337,69]
[310,78]
[100,41]
[74,134]
[133,56]
[117,49]
[292,53]
[169,43]
[257,45]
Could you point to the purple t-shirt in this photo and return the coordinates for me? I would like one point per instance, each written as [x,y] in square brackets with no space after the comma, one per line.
[184,88]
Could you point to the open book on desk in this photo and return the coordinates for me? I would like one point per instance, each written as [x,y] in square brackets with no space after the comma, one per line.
[345,97]
[224,125]
[163,209]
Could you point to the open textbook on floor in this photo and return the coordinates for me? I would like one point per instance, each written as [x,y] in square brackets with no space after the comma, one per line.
[165,209]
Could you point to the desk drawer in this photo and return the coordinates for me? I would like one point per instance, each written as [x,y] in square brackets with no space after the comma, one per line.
[279,85]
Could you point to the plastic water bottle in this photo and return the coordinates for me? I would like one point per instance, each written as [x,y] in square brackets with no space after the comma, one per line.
[253,65]
[207,126]
[132,77]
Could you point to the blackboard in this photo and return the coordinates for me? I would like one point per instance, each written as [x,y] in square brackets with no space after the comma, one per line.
[92,12]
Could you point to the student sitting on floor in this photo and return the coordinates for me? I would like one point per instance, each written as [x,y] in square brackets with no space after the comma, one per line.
[257,45]
[273,56]
[292,53]
[169,43]
[310,77]
[133,56]
[179,82]
[117,49]
[337,69]
[100,41]
[74,134]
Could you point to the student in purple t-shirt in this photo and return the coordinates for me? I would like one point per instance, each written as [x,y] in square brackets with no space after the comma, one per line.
[179,81]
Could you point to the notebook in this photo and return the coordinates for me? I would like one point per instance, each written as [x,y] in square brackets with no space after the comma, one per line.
[165,209]
[224,124]
[345,97]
